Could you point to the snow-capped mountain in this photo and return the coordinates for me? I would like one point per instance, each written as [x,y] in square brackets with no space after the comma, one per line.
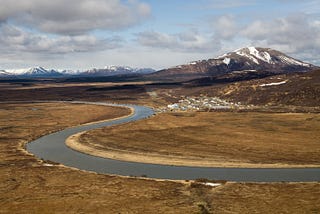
[116,70]
[33,72]
[248,58]
[264,58]
[42,72]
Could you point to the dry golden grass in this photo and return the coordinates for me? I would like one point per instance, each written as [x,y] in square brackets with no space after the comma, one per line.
[29,186]
[267,198]
[220,138]
[49,115]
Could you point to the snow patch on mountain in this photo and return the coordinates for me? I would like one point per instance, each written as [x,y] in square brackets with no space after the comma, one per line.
[289,61]
[221,56]
[253,54]
[193,63]
[243,53]
[264,56]
[69,72]
[212,184]
[116,68]
[226,61]
[273,83]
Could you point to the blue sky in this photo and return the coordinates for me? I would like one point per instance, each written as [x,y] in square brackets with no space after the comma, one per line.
[82,34]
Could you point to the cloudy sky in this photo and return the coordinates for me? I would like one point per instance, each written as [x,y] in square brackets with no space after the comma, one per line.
[82,34]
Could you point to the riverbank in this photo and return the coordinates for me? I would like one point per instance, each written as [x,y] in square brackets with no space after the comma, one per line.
[74,143]
[213,139]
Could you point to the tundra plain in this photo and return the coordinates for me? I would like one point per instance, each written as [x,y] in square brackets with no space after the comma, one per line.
[30,185]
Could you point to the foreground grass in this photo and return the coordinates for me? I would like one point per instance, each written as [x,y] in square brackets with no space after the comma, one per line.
[248,139]
[27,185]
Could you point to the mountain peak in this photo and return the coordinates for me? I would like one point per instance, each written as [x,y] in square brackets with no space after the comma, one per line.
[259,55]
[255,54]
[36,70]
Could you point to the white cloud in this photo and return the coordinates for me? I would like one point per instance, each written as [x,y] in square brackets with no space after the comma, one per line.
[294,34]
[297,34]
[156,39]
[220,4]
[226,27]
[74,16]
[140,57]
[14,40]
[184,42]
[64,32]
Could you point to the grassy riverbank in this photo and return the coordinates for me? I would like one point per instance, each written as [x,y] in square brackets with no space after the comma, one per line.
[229,139]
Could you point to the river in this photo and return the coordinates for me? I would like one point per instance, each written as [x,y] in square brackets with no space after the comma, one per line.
[52,147]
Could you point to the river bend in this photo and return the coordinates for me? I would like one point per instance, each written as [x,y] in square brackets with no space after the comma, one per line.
[52,147]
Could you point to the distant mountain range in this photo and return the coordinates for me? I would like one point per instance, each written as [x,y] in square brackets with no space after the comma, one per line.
[39,72]
[116,70]
[31,72]
[244,59]
[248,59]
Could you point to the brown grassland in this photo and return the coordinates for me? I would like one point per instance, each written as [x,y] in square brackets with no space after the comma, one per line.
[247,139]
[27,185]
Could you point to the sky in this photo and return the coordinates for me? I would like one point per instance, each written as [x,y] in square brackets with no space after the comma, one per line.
[84,34]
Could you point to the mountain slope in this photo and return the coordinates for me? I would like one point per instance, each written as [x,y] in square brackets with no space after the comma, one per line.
[293,89]
[249,58]
[301,89]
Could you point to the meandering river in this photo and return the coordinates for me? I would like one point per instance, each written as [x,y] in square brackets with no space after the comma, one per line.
[52,147]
